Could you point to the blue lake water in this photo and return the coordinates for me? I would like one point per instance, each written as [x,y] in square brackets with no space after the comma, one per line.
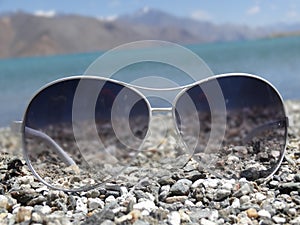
[277,60]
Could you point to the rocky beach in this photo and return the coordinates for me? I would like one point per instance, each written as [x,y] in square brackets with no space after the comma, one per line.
[161,195]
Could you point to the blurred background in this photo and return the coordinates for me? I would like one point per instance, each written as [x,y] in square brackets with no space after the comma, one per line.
[41,40]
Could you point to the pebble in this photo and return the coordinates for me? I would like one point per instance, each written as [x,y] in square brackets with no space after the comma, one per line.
[244,190]
[3,202]
[81,206]
[207,222]
[174,218]
[181,187]
[295,221]
[259,197]
[278,219]
[252,213]
[176,199]
[95,203]
[245,199]
[147,205]
[264,213]
[23,213]
[221,194]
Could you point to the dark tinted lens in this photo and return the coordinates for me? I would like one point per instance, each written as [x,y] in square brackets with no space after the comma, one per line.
[72,131]
[245,138]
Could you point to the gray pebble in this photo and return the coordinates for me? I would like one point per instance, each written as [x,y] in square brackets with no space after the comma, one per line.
[244,190]
[221,194]
[181,187]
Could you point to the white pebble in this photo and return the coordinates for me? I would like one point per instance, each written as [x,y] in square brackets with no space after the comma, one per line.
[236,203]
[207,222]
[145,205]
[264,213]
[278,219]
[174,218]
[95,203]
[110,199]
[80,206]
[45,209]
[123,191]
[260,197]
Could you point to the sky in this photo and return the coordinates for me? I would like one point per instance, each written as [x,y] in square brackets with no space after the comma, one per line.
[248,12]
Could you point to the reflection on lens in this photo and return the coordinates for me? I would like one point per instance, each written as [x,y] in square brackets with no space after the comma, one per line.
[70,163]
[255,128]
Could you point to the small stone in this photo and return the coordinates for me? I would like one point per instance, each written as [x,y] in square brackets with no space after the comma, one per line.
[252,213]
[297,177]
[193,175]
[278,219]
[141,222]
[240,149]
[80,206]
[23,213]
[260,197]
[204,221]
[166,180]
[108,222]
[279,205]
[181,187]
[184,217]
[37,217]
[264,213]
[26,179]
[45,209]
[292,211]
[113,187]
[295,221]
[245,199]
[112,193]
[164,191]
[123,191]
[145,205]
[24,196]
[37,201]
[110,199]
[93,193]
[188,203]
[221,194]
[236,203]
[174,199]
[95,203]
[274,184]
[244,190]
[3,202]
[232,159]
[174,218]
[286,188]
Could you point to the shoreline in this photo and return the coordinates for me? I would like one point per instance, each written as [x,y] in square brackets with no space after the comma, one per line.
[182,196]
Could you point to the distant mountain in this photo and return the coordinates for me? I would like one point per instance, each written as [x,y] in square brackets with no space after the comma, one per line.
[23,34]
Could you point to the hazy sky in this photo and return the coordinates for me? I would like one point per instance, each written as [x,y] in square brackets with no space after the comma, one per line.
[251,12]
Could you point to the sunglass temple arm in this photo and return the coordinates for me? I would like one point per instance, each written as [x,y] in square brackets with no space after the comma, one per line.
[17,128]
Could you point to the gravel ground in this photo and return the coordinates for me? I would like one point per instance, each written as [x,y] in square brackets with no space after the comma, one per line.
[182,196]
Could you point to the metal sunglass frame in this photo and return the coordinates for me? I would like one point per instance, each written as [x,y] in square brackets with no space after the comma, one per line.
[181,90]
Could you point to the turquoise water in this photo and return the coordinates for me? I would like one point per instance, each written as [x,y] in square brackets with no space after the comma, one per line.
[277,60]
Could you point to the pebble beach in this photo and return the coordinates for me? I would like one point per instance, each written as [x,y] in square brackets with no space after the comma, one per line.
[163,196]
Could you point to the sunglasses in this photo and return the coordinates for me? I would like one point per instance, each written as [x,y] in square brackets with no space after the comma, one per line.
[80,132]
